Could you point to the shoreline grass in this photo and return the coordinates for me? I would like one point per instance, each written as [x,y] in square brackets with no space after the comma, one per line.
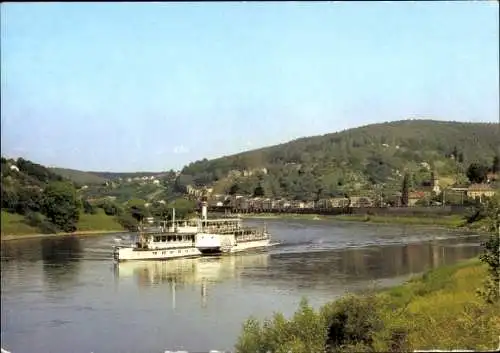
[436,310]
[14,226]
[452,221]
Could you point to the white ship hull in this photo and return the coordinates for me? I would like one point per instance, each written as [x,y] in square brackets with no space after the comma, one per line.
[250,245]
[226,243]
[131,254]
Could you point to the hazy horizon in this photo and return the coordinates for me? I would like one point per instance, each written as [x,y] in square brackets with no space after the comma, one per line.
[136,87]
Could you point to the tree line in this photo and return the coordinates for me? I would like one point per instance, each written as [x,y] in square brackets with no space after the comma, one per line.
[53,204]
[354,160]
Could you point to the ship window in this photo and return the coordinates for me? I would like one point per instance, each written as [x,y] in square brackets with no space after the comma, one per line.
[169,238]
[154,252]
[163,253]
[171,252]
[164,238]
[179,251]
[157,238]
[186,251]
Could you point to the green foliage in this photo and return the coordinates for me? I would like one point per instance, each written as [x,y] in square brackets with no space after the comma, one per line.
[37,171]
[351,161]
[61,205]
[259,191]
[438,310]
[39,221]
[353,321]
[137,209]
[79,177]
[491,252]
[305,332]
[127,221]
[477,173]
[183,207]
[98,221]
[405,190]
[110,208]
[495,166]
[88,208]
[160,210]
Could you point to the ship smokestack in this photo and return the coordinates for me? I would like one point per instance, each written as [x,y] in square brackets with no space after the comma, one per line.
[204,210]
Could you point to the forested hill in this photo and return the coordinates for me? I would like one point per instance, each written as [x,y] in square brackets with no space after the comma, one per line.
[352,160]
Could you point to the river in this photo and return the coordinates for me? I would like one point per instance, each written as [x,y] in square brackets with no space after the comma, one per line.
[66,295]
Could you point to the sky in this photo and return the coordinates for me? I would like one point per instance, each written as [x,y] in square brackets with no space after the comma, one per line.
[154,86]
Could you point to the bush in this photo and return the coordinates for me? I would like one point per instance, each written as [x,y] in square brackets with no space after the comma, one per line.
[304,332]
[128,222]
[353,321]
[348,325]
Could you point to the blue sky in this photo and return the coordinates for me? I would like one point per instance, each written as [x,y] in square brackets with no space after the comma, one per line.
[131,86]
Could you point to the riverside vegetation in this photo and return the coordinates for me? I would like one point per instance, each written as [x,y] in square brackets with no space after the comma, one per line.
[37,201]
[367,161]
[454,307]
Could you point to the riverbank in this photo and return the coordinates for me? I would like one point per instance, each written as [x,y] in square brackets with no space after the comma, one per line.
[453,221]
[437,310]
[77,233]
[14,227]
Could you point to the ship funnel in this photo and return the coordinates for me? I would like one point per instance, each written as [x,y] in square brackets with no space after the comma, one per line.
[204,210]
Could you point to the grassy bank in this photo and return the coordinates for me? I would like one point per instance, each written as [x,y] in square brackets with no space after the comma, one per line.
[452,221]
[15,226]
[439,310]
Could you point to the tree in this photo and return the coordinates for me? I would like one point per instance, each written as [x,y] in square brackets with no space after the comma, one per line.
[405,190]
[160,210]
[88,207]
[110,208]
[258,191]
[477,173]
[491,252]
[183,208]
[10,199]
[60,205]
[234,189]
[137,208]
[495,167]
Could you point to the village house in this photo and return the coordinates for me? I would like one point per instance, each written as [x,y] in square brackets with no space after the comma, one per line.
[480,191]
[309,204]
[339,202]
[417,196]
[267,204]
[491,177]
[361,201]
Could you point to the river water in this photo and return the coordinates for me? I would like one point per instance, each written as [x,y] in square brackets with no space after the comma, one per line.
[66,295]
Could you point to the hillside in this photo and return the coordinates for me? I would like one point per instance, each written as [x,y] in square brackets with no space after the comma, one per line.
[79,177]
[132,175]
[353,160]
[35,199]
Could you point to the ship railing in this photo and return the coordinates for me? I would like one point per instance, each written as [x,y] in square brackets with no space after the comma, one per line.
[218,229]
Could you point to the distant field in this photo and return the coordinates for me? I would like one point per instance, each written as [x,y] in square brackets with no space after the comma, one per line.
[77,176]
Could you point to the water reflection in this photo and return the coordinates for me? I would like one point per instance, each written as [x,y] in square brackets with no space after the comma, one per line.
[177,273]
[331,270]
[314,269]
[58,294]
